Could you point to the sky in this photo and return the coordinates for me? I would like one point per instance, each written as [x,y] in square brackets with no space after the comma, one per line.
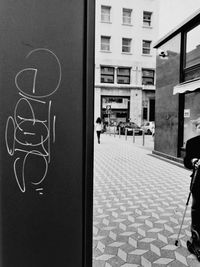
[173,12]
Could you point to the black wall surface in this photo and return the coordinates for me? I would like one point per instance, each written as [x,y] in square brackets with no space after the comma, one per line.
[45,129]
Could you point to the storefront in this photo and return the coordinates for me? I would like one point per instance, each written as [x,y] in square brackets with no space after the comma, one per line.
[177,88]
[115,109]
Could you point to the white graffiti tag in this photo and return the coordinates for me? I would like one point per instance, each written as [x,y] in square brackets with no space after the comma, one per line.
[31,130]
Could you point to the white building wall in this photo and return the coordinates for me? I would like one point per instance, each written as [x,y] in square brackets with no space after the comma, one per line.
[136,60]
[97,103]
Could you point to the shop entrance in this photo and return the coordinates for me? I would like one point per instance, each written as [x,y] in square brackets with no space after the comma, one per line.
[152,109]
[115,109]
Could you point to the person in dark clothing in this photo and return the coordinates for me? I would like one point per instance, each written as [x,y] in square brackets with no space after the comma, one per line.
[192,161]
[98,127]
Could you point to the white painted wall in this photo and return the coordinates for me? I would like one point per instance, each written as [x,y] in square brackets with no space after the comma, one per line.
[137,32]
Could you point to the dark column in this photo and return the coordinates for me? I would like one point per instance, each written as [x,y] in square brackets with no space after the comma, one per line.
[46,129]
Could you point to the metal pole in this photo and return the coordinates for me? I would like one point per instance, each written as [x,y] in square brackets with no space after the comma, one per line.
[126,133]
[133,136]
[186,205]
[109,121]
[114,131]
[119,132]
[143,138]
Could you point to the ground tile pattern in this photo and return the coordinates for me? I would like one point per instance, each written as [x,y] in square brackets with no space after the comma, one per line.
[139,202]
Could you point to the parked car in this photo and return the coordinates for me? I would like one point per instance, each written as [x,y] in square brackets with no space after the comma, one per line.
[129,126]
[148,127]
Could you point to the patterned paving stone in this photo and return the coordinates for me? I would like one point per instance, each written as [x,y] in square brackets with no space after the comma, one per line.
[139,202]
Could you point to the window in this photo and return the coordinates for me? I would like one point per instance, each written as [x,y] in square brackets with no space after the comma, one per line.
[126,45]
[147,18]
[105,13]
[147,77]
[123,75]
[107,74]
[113,100]
[193,47]
[126,16]
[192,54]
[105,43]
[146,47]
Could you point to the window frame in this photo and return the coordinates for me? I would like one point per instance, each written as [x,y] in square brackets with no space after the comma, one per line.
[129,17]
[108,15]
[108,38]
[146,48]
[126,46]
[147,22]
[193,69]
[107,74]
[124,75]
[147,76]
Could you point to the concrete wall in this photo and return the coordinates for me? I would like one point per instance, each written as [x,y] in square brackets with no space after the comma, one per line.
[166,115]
[136,31]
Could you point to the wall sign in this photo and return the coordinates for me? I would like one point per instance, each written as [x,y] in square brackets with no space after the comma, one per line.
[186,113]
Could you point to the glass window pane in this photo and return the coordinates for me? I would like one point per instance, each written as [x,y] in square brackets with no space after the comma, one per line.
[192,101]
[192,74]
[147,77]
[123,75]
[123,80]
[126,45]
[193,47]
[147,81]
[146,51]
[107,79]
[123,71]
[147,18]
[146,44]
[107,70]
[148,73]
[107,74]
[125,49]
[146,47]
[126,41]
[127,16]
[105,13]
[105,43]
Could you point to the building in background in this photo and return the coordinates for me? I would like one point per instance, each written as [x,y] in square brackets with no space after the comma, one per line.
[125,60]
[177,88]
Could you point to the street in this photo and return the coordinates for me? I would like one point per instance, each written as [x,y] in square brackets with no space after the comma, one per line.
[138,206]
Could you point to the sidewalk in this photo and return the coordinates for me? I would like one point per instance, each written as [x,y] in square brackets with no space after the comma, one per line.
[139,202]
[147,142]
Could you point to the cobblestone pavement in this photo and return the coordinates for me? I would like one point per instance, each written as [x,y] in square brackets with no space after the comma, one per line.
[139,202]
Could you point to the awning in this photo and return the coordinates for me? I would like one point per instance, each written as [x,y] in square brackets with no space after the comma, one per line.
[186,86]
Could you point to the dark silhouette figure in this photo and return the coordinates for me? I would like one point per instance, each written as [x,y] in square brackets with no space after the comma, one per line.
[192,161]
[98,128]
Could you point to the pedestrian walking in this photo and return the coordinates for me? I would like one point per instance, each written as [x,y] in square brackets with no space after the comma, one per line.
[98,128]
[192,161]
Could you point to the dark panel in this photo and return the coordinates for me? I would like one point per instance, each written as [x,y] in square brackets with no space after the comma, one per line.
[42,129]
[152,110]
[89,131]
